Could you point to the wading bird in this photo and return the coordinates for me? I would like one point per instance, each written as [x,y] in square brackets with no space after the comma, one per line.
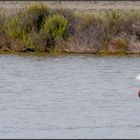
[139,93]
[138,78]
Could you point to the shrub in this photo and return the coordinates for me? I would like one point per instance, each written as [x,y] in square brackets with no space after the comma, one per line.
[118,45]
[90,30]
[56,26]
[2,20]
[25,23]
[112,19]
[14,28]
[34,16]
[29,20]
[123,23]
[123,44]
[69,15]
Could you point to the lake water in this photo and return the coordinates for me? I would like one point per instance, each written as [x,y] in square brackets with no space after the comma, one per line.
[69,96]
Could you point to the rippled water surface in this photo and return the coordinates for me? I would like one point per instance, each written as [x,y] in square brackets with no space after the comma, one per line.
[69,97]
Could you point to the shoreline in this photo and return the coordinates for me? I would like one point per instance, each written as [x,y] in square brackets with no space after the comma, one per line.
[46,54]
[42,28]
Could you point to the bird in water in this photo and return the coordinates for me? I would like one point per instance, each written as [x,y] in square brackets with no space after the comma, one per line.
[139,93]
[138,78]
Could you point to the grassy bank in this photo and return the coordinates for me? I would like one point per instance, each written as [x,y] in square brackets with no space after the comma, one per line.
[39,28]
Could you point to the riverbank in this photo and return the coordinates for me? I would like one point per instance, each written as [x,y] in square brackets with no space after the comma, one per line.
[82,6]
[40,28]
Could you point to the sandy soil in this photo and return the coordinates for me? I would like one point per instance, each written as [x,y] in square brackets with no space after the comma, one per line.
[93,6]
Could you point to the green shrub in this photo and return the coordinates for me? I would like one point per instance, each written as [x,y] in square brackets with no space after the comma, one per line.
[56,26]
[25,23]
[29,20]
[114,15]
[113,19]
[2,20]
[34,16]
[14,28]
[69,15]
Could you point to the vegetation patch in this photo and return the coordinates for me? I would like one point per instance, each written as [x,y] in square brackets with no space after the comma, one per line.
[39,28]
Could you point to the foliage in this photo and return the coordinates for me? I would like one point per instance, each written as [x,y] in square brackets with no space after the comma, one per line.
[34,16]
[40,28]
[56,26]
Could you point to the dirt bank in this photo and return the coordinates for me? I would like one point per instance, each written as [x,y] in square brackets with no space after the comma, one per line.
[92,6]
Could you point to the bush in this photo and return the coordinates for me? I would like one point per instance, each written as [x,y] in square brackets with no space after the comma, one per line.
[118,45]
[34,16]
[112,19]
[123,23]
[2,20]
[14,27]
[90,30]
[69,15]
[56,26]
[25,23]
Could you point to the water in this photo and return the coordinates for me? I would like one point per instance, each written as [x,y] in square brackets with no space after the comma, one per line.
[69,97]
